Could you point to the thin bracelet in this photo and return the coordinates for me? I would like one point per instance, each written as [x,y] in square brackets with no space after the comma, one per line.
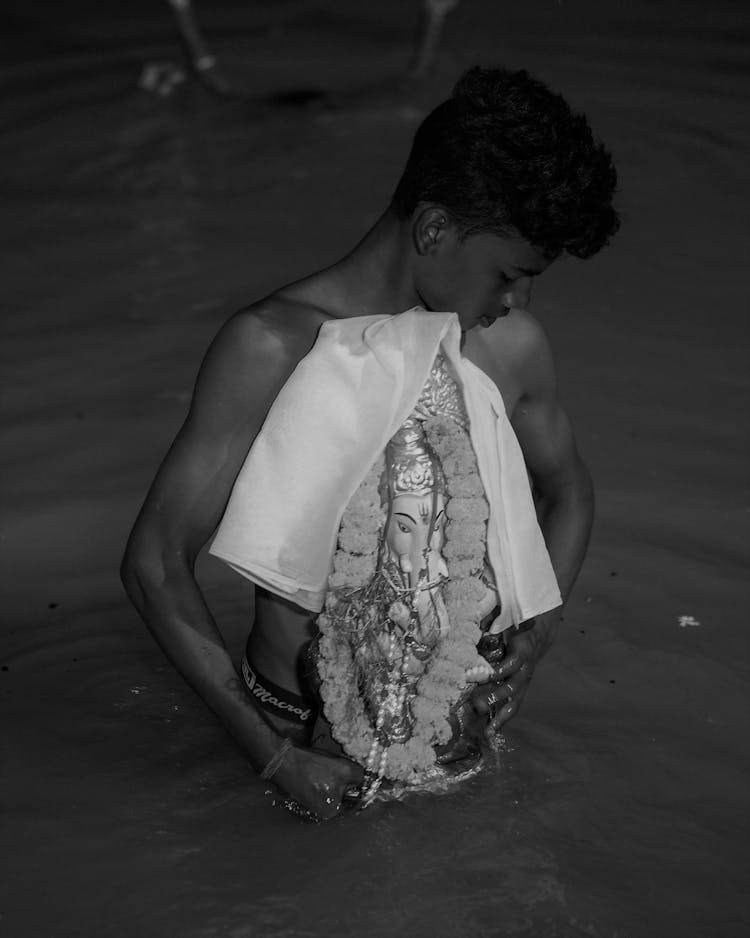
[276,759]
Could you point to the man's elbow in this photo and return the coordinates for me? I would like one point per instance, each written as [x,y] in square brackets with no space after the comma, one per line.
[154,568]
[134,574]
[142,570]
[585,486]
[572,493]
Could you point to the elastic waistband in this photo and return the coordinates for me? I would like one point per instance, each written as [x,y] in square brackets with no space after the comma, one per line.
[277,700]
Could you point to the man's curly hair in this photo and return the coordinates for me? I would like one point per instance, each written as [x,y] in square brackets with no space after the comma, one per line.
[507,155]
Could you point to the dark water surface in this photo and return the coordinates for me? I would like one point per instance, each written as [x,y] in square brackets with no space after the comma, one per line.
[132,226]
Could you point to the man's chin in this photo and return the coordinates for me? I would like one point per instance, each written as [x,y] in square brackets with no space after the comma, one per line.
[467,323]
[486,321]
[483,322]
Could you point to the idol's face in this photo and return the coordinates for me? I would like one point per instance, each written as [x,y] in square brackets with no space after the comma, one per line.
[481,278]
[408,535]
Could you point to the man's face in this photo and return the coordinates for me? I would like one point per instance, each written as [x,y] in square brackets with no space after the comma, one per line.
[481,278]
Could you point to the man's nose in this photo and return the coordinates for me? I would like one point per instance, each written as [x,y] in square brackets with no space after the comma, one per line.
[519,295]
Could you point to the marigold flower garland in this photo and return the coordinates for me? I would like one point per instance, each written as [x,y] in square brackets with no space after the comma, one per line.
[354,566]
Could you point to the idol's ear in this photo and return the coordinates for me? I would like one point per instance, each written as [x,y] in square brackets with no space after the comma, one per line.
[432,226]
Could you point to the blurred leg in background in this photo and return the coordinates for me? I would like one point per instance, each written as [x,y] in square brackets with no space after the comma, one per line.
[204,65]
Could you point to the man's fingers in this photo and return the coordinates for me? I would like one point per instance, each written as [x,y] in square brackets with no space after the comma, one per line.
[501,717]
[325,783]
[507,666]
[508,690]
[330,798]
[504,701]
[510,666]
[352,794]
[508,711]
[511,708]
[488,697]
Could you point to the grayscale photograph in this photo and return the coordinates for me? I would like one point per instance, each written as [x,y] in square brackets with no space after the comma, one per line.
[375,535]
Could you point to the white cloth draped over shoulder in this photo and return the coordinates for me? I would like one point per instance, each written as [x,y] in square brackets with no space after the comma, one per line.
[329,423]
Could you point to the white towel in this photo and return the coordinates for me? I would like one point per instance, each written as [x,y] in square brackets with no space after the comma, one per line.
[331,420]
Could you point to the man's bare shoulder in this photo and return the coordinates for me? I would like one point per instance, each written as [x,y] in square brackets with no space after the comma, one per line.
[276,330]
[515,352]
[251,358]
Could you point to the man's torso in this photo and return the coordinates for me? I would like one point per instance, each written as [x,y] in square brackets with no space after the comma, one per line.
[280,629]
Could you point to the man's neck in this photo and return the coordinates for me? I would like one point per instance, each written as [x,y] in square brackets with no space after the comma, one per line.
[375,277]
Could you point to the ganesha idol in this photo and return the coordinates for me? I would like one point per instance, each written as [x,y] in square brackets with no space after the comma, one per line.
[412,567]
[408,604]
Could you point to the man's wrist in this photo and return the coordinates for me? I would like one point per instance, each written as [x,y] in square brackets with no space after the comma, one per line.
[274,763]
[544,627]
[549,620]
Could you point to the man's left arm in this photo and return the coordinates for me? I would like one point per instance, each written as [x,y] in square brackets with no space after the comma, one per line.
[565,506]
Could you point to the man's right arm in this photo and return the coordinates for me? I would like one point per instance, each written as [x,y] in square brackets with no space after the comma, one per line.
[243,371]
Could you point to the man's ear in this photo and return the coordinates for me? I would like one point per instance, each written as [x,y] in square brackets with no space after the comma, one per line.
[430,227]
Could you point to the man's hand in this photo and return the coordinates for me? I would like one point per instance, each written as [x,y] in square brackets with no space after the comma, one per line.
[317,780]
[501,697]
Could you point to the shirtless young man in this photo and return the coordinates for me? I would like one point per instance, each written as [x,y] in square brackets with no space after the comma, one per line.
[502,179]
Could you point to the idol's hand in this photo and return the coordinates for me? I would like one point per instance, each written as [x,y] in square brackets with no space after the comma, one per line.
[501,697]
[317,780]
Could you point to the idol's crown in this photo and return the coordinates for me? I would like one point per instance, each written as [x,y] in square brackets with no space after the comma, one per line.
[412,466]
